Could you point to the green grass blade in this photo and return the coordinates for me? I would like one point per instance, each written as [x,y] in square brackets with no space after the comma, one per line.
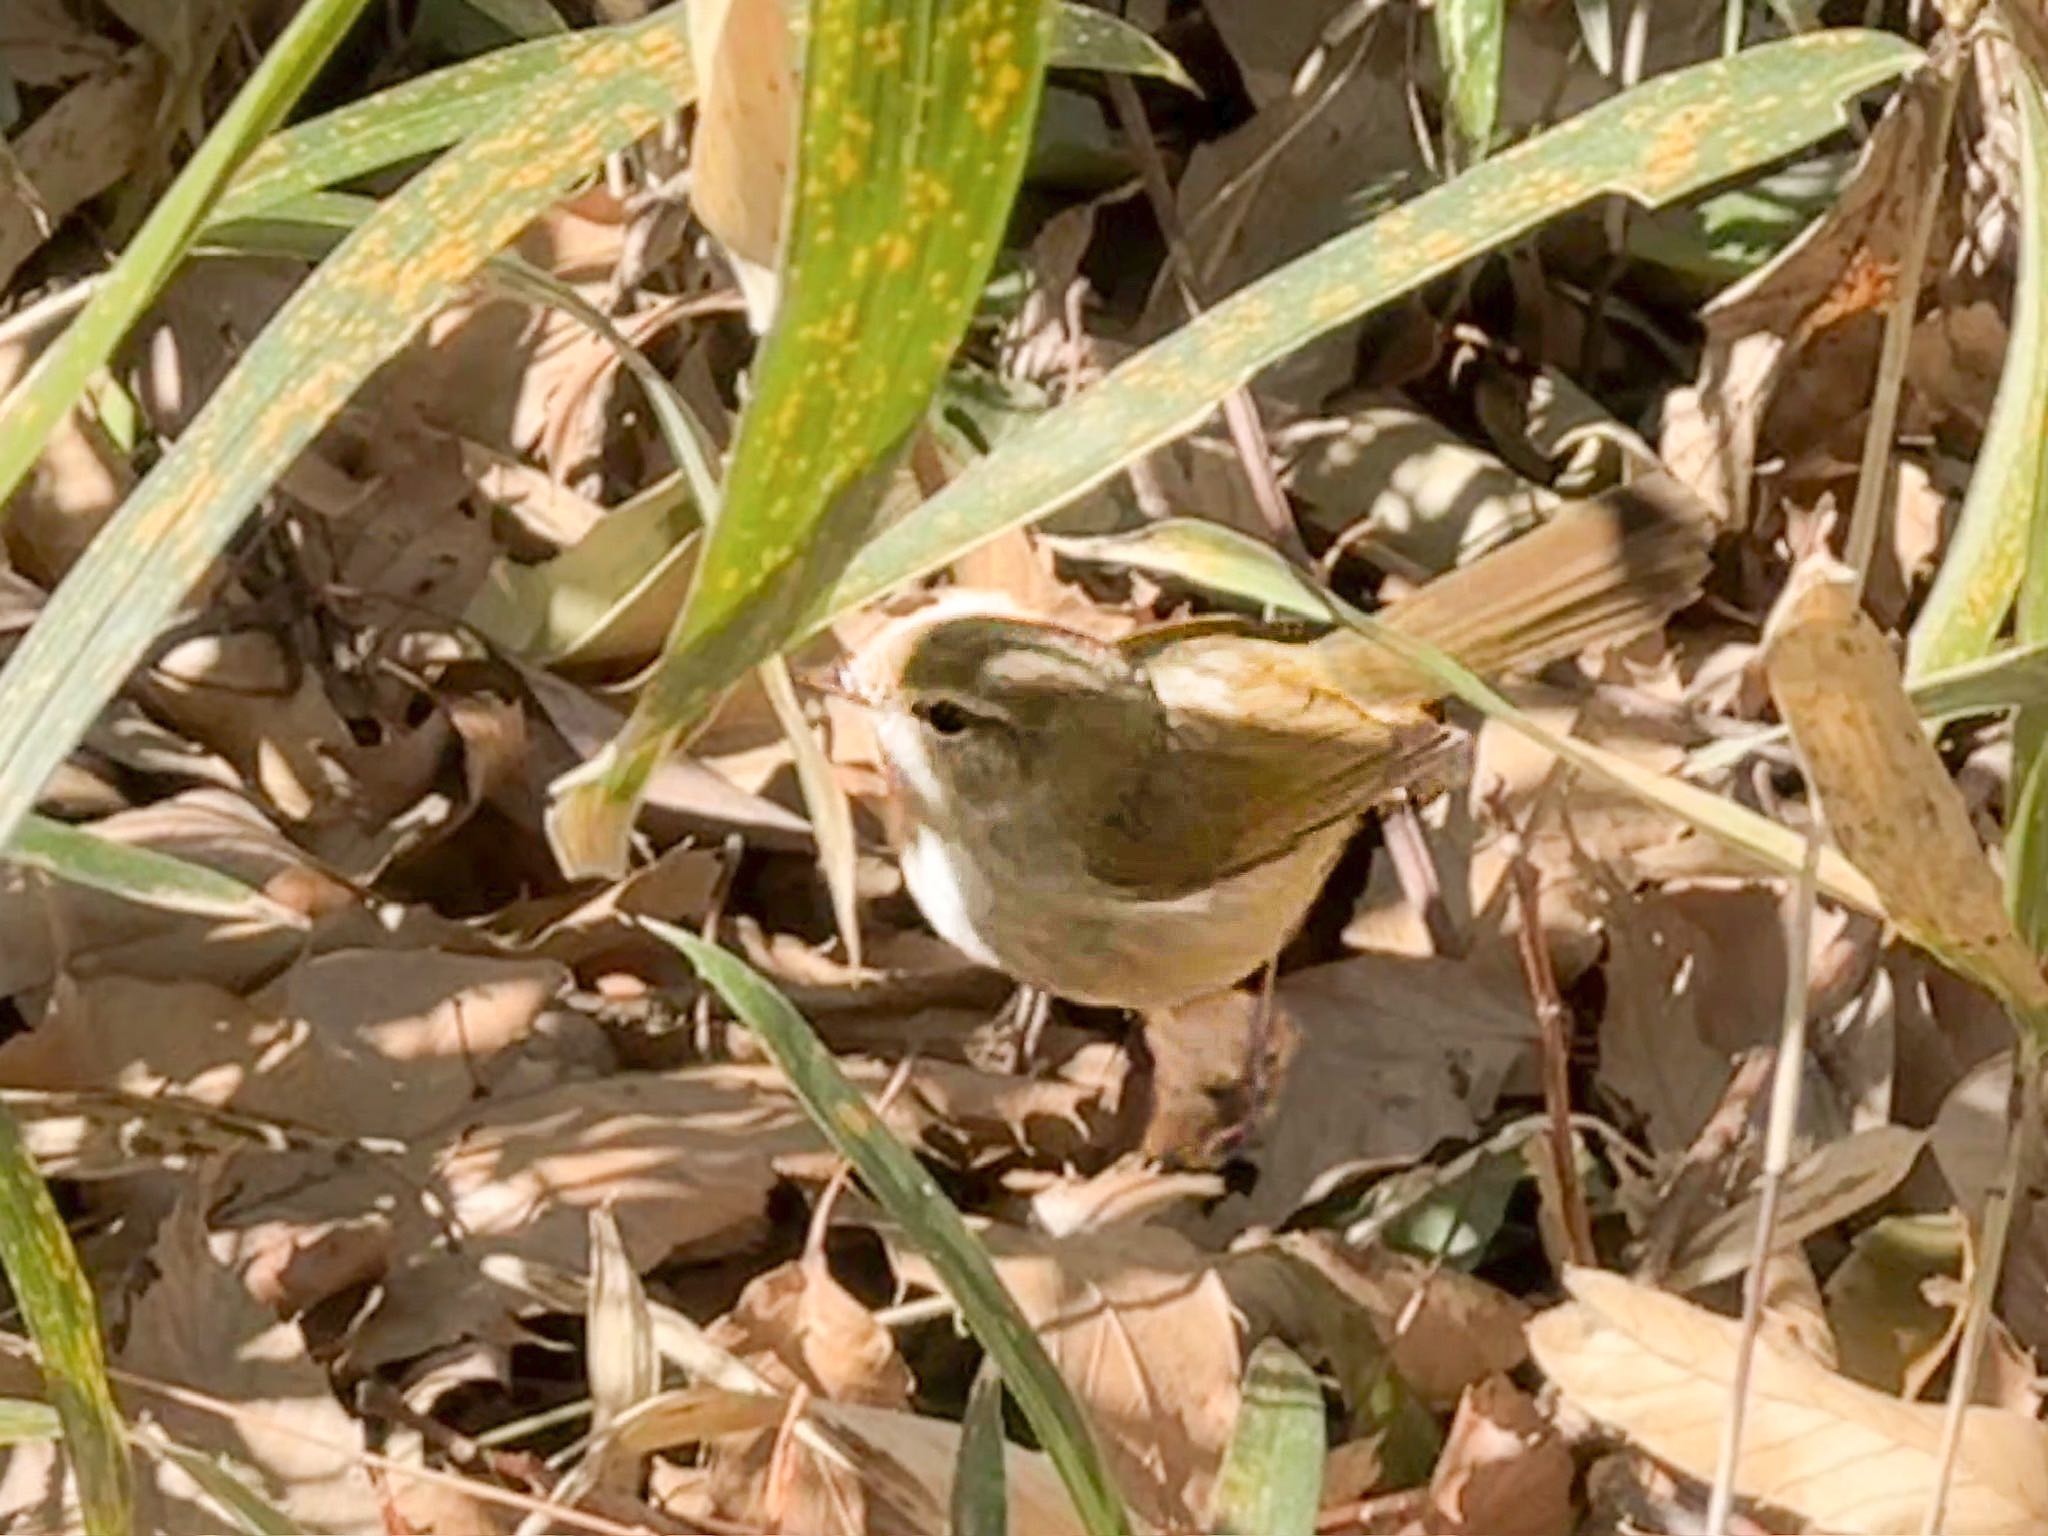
[141,875]
[1468,41]
[1660,142]
[2008,494]
[253,1514]
[382,282]
[915,124]
[418,117]
[1084,38]
[2015,457]
[56,1302]
[1272,1478]
[53,382]
[981,1484]
[899,1182]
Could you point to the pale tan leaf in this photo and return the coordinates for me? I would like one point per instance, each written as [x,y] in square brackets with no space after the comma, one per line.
[1841,1455]
[1888,800]
[746,133]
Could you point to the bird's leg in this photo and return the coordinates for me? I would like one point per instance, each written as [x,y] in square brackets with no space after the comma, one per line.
[1014,1033]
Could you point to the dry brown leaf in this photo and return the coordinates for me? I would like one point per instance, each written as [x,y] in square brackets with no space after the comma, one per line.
[746,132]
[1395,1055]
[1350,1307]
[1888,801]
[1138,1322]
[82,144]
[357,1043]
[1504,1471]
[50,925]
[1652,1054]
[686,1159]
[897,1480]
[1841,1455]
[44,45]
[1840,269]
[796,1324]
[197,1327]
[78,481]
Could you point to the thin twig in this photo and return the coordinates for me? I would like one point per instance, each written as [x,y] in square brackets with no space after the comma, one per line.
[1551,1016]
[2023,1115]
[1786,1081]
[1240,411]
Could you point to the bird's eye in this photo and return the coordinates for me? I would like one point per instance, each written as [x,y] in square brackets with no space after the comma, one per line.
[944,716]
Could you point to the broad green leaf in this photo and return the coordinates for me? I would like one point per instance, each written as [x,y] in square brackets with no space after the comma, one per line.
[1272,1478]
[141,875]
[916,1204]
[2015,456]
[56,1302]
[396,125]
[980,1504]
[53,382]
[381,283]
[2008,495]
[1665,140]
[915,123]
[1468,40]
[1085,38]
[432,111]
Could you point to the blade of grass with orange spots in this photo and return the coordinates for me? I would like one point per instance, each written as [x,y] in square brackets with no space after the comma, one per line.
[915,121]
[413,255]
[1663,141]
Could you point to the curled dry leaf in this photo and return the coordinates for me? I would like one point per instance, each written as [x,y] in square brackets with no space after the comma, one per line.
[1888,801]
[1845,1457]
[1895,1304]
[796,1324]
[197,1327]
[1505,1470]
[746,132]
[895,1479]
[1140,1324]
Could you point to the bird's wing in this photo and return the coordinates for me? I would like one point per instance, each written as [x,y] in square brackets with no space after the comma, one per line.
[1259,753]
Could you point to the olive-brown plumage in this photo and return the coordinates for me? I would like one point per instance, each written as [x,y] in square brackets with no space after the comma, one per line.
[1140,824]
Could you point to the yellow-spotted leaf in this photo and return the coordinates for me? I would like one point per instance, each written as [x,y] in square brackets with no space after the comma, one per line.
[916,118]
[1888,801]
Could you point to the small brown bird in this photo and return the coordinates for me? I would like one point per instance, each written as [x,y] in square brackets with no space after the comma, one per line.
[1140,824]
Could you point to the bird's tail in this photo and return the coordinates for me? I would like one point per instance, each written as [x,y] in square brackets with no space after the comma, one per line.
[1598,572]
